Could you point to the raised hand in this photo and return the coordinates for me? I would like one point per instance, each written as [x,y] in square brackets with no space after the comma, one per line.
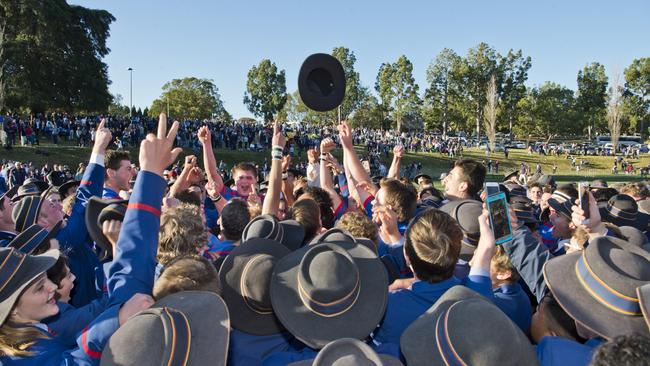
[398,151]
[312,156]
[278,138]
[191,160]
[156,151]
[134,305]
[103,138]
[327,145]
[286,162]
[345,134]
[204,135]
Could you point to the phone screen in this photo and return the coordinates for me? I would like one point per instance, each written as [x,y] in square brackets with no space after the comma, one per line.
[499,220]
[491,188]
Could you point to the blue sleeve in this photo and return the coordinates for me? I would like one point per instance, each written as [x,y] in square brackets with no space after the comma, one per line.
[285,358]
[528,257]
[75,232]
[70,320]
[133,268]
[92,340]
[479,281]
[343,186]
[367,206]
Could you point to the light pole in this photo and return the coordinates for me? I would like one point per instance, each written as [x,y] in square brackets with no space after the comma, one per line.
[131,92]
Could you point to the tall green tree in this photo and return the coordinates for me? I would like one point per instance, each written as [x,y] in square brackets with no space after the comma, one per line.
[354,92]
[547,111]
[398,91]
[266,90]
[445,87]
[480,65]
[637,91]
[514,67]
[190,98]
[51,56]
[369,114]
[592,97]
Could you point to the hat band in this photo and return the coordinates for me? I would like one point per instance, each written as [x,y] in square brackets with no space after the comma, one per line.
[623,215]
[334,308]
[446,349]
[10,267]
[178,336]
[605,295]
[32,243]
[244,292]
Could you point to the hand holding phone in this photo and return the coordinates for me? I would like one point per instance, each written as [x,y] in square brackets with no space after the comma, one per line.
[583,196]
[497,206]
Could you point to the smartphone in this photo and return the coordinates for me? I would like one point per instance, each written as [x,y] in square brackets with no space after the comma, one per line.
[583,188]
[499,219]
[491,188]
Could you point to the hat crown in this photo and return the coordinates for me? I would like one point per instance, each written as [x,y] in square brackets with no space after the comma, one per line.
[630,264]
[624,202]
[10,261]
[256,280]
[328,276]
[265,227]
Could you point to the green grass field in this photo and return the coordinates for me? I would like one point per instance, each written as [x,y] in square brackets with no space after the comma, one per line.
[432,164]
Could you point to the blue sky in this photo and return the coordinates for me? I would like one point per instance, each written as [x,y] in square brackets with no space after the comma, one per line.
[221,40]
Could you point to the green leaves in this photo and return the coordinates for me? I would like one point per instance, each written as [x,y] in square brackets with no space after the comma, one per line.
[266,90]
[190,98]
[592,97]
[399,92]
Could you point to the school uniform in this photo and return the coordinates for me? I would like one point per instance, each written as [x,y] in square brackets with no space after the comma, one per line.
[404,306]
[514,302]
[75,241]
[108,193]
[554,351]
[249,350]
[70,321]
[6,237]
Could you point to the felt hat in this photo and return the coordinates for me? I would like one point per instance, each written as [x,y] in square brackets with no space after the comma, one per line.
[348,352]
[63,188]
[328,291]
[465,328]
[245,277]
[466,213]
[510,173]
[339,235]
[561,203]
[525,212]
[97,211]
[25,211]
[321,82]
[25,190]
[425,176]
[30,239]
[288,232]
[41,185]
[184,328]
[622,210]
[597,286]
[10,193]
[18,270]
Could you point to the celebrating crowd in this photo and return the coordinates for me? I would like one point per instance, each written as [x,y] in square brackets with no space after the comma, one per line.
[314,264]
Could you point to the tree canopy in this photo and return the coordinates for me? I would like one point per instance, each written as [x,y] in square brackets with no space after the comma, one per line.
[266,90]
[190,98]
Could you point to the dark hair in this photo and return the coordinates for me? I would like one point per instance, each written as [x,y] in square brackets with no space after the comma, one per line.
[307,213]
[557,319]
[570,190]
[186,196]
[624,350]
[234,218]
[250,167]
[533,185]
[324,202]
[473,174]
[58,272]
[433,245]
[401,197]
[113,158]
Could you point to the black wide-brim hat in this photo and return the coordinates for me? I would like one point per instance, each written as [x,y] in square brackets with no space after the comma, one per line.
[321,82]
[509,174]
[34,237]
[561,203]
[339,235]
[597,287]
[18,270]
[63,188]
[287,232]
[622,210]
[245,277]
[348,352]
[425,176]
[466,214]
[194,324]
[10,193]
[97,211]
[464,328]
[328,291]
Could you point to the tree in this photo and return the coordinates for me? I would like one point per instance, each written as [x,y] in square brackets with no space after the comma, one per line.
[515,73]
[614,109]
[592,96]
[368,115]
[637,83]
[479,66]
[116,108]
[266,90]
[190,98]
[398,90]
[354,92]
[491,110]
[547,111]
[444,88]
[50,56]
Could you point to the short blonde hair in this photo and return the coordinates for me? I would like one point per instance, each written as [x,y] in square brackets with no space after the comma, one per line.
[181,232]
[187,273]
[501,263]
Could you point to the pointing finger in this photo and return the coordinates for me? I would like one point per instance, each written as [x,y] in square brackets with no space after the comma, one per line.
[172,132]
[162,126]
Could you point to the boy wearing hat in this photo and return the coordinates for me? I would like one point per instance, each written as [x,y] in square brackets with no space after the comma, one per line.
[431,249]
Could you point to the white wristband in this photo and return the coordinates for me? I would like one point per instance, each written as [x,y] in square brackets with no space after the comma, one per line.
[96,159]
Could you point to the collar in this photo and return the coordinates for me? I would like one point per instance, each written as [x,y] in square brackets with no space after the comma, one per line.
[423,286]
[109,193]
[508,288]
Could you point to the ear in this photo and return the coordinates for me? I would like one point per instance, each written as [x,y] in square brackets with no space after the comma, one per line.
[462,187]
[110,172]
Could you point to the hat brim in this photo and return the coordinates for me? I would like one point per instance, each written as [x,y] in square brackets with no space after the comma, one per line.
[314,99]
[560,208]
[641,222]
[242,316]
[561,279]
[33,266]
[510,175]
[10,193]
[66,186]
[315,330]
[209,323]
[643,294]
[93,209]
[293,234]
[338,349]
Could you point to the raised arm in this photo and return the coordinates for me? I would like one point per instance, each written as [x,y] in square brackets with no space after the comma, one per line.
[395,166]
[326,182]
[209,162]
[357,170]
[272,198]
